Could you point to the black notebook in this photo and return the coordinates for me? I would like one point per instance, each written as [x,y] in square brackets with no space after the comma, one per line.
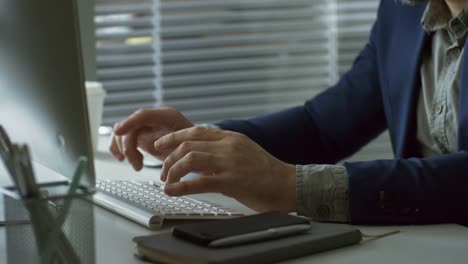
[165,248]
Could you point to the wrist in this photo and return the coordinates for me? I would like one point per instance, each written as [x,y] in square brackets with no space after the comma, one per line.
[290,188]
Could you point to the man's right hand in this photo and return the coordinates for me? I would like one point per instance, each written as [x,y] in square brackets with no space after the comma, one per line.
[141,130]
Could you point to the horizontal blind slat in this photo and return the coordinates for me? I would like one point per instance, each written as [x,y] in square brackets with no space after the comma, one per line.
[234,48]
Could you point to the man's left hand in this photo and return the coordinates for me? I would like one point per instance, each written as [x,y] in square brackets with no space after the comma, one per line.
[229,163]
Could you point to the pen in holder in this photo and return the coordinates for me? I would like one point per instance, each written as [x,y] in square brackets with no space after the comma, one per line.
[45,223]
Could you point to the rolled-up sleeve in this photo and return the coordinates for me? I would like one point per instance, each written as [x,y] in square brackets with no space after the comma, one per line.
[322,192]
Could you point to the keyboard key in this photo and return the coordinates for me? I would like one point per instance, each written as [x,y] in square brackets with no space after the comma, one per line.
[151,196]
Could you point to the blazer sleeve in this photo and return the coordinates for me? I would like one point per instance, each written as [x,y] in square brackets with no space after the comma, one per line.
[329,127]
[415,190]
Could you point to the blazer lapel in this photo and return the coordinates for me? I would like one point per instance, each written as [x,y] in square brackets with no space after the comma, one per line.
[406,87]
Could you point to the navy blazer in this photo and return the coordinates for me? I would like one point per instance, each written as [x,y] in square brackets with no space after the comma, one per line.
[379,92]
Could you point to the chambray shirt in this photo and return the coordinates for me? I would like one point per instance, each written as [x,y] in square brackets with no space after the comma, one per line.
[322,190]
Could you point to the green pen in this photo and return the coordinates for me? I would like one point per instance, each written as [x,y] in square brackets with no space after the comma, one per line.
[57,232]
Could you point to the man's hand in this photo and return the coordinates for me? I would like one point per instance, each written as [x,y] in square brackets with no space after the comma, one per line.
[141,130]
[231,164]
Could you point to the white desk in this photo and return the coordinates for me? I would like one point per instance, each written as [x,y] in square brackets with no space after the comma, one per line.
[415,244]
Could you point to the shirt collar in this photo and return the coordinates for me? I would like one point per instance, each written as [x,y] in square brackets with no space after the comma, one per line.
[458,27]
[437,16]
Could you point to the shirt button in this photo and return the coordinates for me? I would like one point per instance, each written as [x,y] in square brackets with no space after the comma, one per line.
[439,109]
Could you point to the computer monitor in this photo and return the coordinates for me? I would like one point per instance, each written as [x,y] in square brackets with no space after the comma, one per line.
[42,94]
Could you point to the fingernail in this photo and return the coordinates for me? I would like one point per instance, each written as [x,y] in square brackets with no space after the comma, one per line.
[159,145]
[168,189]
[163,174]
[136,168]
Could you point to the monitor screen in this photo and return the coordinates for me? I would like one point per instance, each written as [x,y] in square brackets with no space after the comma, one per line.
[42,94]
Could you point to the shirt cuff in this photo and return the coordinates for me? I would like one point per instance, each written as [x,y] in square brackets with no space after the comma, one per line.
[322,192]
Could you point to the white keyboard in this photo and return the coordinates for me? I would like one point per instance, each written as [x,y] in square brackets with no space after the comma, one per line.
[149,197]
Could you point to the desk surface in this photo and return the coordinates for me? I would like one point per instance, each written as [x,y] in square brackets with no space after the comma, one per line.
[415,244]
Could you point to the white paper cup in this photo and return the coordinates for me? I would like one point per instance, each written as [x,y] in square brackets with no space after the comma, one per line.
[95,96]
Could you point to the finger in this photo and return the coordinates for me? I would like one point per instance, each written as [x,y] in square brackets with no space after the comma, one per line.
[114,149]
[172,140]
[195,186]
[137,120]
[182,150]
[118,141]
[202,162]
[131,152]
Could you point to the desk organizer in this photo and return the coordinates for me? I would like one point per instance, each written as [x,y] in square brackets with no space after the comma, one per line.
[55,228]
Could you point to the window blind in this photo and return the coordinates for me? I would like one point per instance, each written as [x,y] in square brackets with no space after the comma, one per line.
[127,62]
[355,20]
[215,60]
[211,59]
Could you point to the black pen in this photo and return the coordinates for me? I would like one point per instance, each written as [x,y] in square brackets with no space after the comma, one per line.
[6,153]
[24,173]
